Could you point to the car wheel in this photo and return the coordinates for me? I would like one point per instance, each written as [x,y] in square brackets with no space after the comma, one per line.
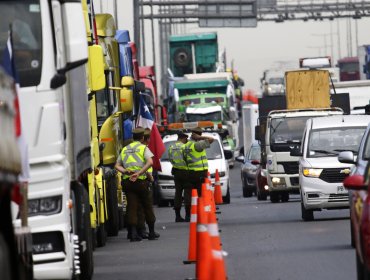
[285,197]
[263,196]
[307,215]
[245,193]
[274,197]
[226,199]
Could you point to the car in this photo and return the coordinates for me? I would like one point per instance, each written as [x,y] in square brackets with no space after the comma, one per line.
[358,185]
[321,175]
[217,159]
[251,162]
[262,188]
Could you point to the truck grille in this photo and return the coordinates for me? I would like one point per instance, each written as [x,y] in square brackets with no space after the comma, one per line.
[333,175]
[338,197]
[290,167]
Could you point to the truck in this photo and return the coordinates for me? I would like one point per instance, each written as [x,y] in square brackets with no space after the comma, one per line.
[349,68]
[281,123]
[322,63]
[16,260]
[272,82]
[363,54]
[50,58]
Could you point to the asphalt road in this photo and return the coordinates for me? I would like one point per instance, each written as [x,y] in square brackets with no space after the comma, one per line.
[264,241]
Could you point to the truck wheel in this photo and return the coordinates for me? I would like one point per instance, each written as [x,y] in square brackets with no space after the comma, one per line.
[101,235]
[112,206]
[5,266]
[274,197]
[83,230]
[226,199]
[307,215]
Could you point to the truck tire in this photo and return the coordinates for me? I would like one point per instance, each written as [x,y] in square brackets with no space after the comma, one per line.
[112,206]
[101,235]
[83,230]
[5,266]
[307,215]
[284,197]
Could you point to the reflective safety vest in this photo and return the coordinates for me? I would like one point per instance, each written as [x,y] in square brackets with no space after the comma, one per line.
[176,156]
[133,158]
[197,161]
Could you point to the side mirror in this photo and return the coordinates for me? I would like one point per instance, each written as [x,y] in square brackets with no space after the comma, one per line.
[346,157]
[228,154]
[355,182]
[58,80]
[240,159]
[127,81]
[296,152]
[257,134]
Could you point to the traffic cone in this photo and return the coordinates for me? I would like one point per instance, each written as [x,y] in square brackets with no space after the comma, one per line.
[206,195]
[218,270]
[213,232]
[204,247]
[192,250]
[218,192]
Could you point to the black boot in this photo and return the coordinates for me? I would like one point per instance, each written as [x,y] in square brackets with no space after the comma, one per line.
[142,232]
[187,215]
[134,236]
[178,219]
[152,234]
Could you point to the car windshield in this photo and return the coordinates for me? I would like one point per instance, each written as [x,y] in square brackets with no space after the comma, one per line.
[285,130]
[215,116]
[276,81]
[213,152]
[255,153]
[332,141]
[24,18]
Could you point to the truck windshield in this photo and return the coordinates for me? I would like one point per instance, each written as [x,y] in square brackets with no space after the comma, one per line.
[215,116]
[24,18]
[332,141]
[285,131]
[276,81]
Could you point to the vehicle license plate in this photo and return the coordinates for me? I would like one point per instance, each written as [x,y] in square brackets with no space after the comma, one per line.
[341,189]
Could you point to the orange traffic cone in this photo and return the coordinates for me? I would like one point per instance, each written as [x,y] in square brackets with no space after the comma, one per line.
[204,247]
[213,231]
[192,250]
[206,195]
[218,192]
[218,270]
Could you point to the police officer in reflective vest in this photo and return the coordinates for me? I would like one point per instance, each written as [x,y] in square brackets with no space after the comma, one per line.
[136,159]
[196,157]
[180,173]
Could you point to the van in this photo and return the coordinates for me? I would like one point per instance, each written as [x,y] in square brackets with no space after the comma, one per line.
[216,160]
[321,175]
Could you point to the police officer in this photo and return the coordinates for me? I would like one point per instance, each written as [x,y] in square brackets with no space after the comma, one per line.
[135,160]
[180,173]
[196,159]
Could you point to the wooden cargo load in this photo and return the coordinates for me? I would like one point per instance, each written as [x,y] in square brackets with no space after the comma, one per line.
[307,89]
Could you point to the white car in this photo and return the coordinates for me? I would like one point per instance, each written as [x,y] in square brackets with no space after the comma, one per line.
[320,173]
[216,160]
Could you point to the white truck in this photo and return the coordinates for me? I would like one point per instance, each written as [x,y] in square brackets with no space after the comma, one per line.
[359,93]
[50,52]
[281,126]
[250,118]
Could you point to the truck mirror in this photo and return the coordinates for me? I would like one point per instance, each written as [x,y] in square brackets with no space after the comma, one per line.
[96,68]
[58,80]
[228,154]
[127,81]
[126,100]
[296,152]
[139,86]
[257,134]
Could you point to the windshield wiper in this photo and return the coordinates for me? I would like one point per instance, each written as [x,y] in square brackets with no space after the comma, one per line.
[344,150]
[274,128]
[324,152]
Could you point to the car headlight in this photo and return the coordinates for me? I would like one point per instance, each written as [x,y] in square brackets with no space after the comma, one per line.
[45,206]
[312,172]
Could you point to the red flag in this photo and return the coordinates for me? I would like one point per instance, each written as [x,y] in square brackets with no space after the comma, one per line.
[156,146]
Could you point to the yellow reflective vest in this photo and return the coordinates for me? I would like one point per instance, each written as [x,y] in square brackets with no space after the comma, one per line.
[176,155]
[133,158]
[196,161]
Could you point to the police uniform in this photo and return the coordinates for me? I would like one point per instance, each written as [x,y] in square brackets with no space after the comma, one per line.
[133,158]
[180,173]
[196,159]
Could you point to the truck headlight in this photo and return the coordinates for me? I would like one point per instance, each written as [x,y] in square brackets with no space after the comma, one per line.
[312,172]
[45,206]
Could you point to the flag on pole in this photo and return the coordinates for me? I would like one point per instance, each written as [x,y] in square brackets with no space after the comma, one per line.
[156,146]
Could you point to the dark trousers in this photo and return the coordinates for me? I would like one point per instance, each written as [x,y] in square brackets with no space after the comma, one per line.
[138,194]
[196,179]
[181,178]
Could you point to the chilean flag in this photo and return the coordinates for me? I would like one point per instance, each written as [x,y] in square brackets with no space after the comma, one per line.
[156,145]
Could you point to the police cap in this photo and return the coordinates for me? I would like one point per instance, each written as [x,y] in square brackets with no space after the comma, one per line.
[138,132]
[197,130]
[181,135]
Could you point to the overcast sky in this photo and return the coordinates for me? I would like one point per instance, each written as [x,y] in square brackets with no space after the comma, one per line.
[269,44]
